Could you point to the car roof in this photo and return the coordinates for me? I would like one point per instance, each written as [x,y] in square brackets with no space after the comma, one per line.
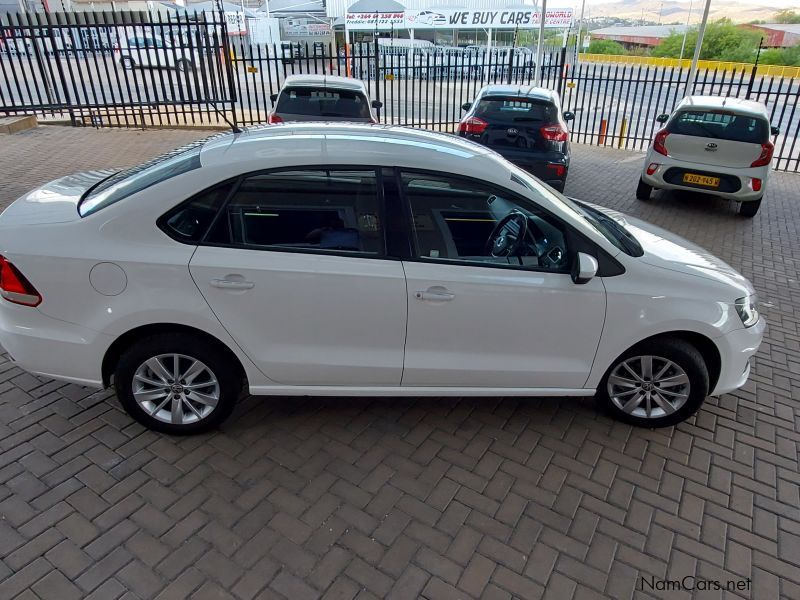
[521,91]
[324,81]
[749,107]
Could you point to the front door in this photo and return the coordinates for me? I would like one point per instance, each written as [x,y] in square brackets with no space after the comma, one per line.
[490,299]
[295,269]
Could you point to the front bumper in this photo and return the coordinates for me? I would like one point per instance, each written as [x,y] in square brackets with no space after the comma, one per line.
[51,347]
[736,349]
[664,178]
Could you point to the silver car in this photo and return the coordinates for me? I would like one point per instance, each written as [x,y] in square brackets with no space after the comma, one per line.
[323,98]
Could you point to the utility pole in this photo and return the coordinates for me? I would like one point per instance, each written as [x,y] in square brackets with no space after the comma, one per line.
[540,45]
[578,37]
[700,33]
[686,31]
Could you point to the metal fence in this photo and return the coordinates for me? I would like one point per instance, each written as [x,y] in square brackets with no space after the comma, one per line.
[142,70]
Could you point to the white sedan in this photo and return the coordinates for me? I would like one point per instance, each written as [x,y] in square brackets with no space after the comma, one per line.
[350,260]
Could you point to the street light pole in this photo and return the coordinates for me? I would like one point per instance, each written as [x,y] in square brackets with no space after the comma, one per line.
[578,36]
[700,33]
[540,45]
[686,30]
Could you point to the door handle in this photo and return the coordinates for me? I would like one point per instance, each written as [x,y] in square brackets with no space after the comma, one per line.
[228,284]
[435,294]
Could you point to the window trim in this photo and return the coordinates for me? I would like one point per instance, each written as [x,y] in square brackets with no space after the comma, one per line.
[376,170]
[161,222]
[576,241]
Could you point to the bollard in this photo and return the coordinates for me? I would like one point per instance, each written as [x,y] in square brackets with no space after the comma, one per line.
[603,127]
[623,129]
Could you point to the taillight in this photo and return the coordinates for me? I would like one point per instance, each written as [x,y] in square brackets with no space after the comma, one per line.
[554,133]
[472,126]
[557,170]
[756,184]
[766,155]
[659,142]
[15,288]
[652,168]
[273,118]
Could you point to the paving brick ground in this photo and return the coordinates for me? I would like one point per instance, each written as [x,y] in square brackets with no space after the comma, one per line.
[402,498]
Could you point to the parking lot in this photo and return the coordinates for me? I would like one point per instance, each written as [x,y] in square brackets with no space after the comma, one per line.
[403,498]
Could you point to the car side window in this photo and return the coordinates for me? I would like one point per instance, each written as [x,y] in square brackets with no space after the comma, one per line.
[319,210]
[465,221]
[189,221]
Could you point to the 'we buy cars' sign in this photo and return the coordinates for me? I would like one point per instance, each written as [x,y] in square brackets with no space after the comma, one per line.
[460,19]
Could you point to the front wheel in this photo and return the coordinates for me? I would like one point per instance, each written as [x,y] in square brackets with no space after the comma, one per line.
[657,383]
[749,209]
[643,191]
[177,383]
[184,66]
[127,63]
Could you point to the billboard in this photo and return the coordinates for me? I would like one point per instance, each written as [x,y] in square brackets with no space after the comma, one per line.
[521,18]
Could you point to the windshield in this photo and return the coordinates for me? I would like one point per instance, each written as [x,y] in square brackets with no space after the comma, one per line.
[314,102]
[611,229]
[516,109]
[125,183]
[600,222]
[720,124]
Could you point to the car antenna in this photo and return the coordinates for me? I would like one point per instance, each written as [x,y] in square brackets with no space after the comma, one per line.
[234,127]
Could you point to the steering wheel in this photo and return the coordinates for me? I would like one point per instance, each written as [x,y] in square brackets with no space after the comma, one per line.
[508,236]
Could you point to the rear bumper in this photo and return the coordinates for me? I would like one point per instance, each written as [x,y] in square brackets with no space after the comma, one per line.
[736,184]
[50,347]
[551,168]
[737,349]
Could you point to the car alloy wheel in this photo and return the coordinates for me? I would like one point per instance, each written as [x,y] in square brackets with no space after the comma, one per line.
[176,389]
[648,387]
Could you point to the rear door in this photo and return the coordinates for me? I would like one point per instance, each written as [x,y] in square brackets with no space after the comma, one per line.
[716,137]
[295,268]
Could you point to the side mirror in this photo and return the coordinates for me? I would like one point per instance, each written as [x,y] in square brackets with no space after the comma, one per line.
[775,130]
[274,97]
[569,116]
[377,104]
[584,268]
[662,118]
[466,106]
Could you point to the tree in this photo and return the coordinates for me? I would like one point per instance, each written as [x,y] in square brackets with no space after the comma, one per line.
[781,56]
[722,41]
[787,16]
[606,47]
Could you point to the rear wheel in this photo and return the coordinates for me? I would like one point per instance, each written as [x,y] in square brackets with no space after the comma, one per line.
[657,383]
[184,65]
[749,209]
[177,383]
[127,63]
[643,191]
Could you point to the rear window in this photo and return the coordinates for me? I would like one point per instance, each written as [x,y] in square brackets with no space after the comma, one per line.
[723,125]
[323,103]
[125,183]
[516,109]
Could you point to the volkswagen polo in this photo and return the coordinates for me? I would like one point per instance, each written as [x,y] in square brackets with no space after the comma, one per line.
[346,259]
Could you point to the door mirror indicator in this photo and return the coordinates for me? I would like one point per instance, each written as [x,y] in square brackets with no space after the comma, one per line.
[584,268]
[662,118]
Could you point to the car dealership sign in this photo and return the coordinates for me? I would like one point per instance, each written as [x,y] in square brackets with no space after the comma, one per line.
[460,19]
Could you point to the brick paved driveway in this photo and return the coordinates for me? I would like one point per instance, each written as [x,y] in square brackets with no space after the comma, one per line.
[400,498]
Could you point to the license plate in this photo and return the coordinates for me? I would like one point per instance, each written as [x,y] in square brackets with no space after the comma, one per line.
[701,179]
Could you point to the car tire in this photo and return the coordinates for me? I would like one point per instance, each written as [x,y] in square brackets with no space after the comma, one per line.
[127,63]
[643,191]
[749,209]
[623,391]
[152,394]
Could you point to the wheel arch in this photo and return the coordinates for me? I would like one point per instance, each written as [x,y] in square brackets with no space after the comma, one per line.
[127,339]
[703,344]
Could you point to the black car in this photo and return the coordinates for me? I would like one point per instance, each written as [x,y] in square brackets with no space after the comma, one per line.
[525,125]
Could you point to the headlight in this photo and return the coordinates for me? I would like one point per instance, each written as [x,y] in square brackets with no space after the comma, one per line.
[746,307]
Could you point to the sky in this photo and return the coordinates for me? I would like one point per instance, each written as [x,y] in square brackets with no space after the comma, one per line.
[777,4]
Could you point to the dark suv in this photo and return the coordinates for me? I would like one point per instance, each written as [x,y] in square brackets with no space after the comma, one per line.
[525,125]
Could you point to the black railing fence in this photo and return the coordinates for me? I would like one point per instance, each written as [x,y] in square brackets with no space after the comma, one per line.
[145,69]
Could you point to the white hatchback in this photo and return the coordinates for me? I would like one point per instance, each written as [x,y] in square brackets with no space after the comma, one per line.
[346,260]
[712,145]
